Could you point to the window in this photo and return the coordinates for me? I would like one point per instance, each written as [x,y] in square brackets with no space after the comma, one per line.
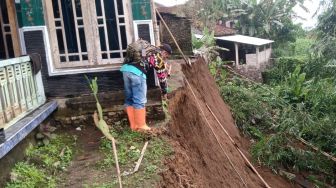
[9,43]
[144,29]
[87,33]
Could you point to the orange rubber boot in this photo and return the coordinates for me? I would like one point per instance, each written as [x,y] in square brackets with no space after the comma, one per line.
[140,120]
[130,115]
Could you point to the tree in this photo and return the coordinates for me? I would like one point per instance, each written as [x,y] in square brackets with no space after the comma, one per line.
[326,32]
[267,18]
[263,18]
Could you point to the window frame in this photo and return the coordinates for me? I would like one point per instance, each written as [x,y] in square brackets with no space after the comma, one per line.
[151,29]
[93,50]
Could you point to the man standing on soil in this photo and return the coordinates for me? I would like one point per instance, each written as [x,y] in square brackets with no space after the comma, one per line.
[134,75]
[162,67]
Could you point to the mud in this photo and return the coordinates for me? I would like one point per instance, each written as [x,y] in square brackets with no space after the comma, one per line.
[83,169]
[200,161]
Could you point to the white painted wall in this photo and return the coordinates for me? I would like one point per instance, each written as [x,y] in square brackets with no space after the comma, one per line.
[264,57]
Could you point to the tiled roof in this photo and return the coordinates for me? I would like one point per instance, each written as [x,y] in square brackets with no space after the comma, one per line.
[221,30]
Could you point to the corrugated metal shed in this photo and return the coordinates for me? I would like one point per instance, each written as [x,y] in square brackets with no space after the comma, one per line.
[243,39]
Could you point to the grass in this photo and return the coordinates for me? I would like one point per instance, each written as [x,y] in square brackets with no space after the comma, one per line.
[274,121]
[57,155]
[129,146]
[43,163]
[29,176]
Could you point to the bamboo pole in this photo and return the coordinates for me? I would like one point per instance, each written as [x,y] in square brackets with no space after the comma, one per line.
[111,138]
[236,146]
[215,135]
[317,149]
[171,34]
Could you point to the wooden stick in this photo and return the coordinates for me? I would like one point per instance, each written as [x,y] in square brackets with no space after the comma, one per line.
[298,138]
[215,135]
[316,149]
[141,157]
[236,146]
[117,163]
[171,34]
[111,138]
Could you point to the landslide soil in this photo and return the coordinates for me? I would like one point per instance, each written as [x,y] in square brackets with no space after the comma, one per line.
[200,161]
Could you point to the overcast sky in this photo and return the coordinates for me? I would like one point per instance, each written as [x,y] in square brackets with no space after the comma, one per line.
[170,2]
[312,6]
[308,23]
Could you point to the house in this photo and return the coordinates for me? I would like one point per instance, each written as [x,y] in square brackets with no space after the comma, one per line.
[250,55]
[180,27]
[48,47]
[248,51]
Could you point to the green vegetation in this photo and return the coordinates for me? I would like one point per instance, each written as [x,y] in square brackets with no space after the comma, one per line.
[43,163]
[276,117]
[129,146]
[57,155]
[262,18]
[29,176]
[297,102]
[300,48]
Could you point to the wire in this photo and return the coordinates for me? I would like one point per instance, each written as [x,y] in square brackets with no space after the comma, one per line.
[231,163]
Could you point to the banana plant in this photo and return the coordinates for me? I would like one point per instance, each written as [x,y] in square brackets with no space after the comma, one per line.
[102,125]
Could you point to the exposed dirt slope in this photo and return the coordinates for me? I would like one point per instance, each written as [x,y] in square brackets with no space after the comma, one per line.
[199,159]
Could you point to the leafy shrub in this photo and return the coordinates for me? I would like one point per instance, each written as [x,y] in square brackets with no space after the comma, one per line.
[294,88]
[300,48]
[56,155]
[207,40]
[282,67]
[276,116]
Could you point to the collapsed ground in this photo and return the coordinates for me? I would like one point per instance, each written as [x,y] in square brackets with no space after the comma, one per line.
[194,159]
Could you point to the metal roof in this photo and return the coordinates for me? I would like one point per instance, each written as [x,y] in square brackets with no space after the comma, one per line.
[242,39]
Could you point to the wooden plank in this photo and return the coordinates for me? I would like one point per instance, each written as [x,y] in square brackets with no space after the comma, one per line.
[105,29]
[118,26]
[13,61]
[155,26]
[90,29]
[31,83]
[4,97]
[19,81]
[14,27]
[128,20]
[63,31]
[4,35]
[2,117]
[12,89]
[52,33]
[77,32]
[26,88]
[41,98]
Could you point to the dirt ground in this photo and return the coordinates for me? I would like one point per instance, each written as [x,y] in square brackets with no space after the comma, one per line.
[83,168]
[199,159]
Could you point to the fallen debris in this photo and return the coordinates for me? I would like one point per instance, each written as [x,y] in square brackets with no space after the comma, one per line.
[136,168]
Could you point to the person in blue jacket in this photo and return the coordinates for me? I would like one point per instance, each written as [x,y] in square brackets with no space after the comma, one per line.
[134,75]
